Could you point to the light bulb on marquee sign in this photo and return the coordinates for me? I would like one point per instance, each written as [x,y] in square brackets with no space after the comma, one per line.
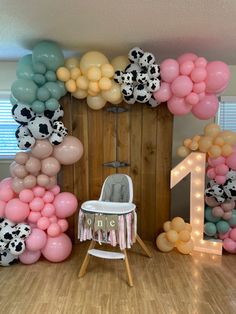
[195,164]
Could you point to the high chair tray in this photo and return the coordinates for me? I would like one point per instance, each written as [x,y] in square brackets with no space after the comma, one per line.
[113,208]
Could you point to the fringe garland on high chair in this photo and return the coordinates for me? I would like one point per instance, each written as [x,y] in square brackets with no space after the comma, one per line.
[124,234]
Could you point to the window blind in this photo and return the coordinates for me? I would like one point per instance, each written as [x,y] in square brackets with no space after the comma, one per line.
[8,142]
[226,117]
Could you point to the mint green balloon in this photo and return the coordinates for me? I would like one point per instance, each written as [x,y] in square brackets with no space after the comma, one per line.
[24,68]
[39,68]
[52,104]
[38,106]
[39,79]
[49,53]
[13,100]
[24,90]
[54,89]
[62,88]
[232,220]
[50,76]
[210,229]
[222,226]
[43,94]
[209,216]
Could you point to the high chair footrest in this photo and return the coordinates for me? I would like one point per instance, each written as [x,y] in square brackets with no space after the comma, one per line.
[106,254]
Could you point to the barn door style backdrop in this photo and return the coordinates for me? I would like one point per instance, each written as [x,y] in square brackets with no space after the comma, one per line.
[137,136]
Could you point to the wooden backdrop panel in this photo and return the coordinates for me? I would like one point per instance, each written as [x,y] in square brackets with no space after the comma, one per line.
[144,141]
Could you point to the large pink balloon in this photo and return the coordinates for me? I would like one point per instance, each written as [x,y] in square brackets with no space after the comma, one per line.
[29,257]
[178,106]
[164,93]
[6,192]
[169,70]
[231,161]
[187,57]
[6,183]
[181,86]
[65,204]
[206,108]
[50,166]
[36,240]
[2,208]
[69,151]
[218,76]
[42,149]
[58,248]
[16,210]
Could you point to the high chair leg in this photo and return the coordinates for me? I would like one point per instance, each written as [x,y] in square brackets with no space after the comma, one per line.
[130,280]
[143,246]
[84,266]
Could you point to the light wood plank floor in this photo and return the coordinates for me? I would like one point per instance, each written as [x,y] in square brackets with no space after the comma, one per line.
[167,283]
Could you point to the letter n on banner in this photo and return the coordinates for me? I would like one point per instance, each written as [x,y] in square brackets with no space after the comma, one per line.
[195,164]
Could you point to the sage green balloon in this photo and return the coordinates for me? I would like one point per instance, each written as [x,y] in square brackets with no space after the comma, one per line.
[50,76]
[24,68]
[39,79]
[24,90]
[54,89]
[62,88]
[38,106]
[13,100]
[39,68]
[43,93]
[52,104]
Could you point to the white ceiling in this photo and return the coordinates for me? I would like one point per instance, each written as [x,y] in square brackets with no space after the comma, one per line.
[166,28]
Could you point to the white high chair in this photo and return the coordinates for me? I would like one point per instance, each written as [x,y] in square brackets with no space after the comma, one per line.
[115,199]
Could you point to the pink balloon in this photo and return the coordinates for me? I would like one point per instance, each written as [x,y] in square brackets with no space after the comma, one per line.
[202,95]
[200,62]
[221,169]
[48,210]
[69,151]
[64,225]
[229,245]
[217,211]
[39,191]
[181,86]
[192,99]
[53,219]
[227,216]
[218,76]
[29,257]
[21,158]
[16,210]
[43,180]
[58,248]
[169,70]
[29,181]
[228,205]
[6,194]
[20,171]
[164,93]
[42,149]
[231,161]
[211,201]
[55,190]
[36,204]
[216,161]
[2,208]
[26,195]
[232,234]
[220,179]
[211,173]
[34,217]
[43,223]
[206,108]
[36,240]
[186,67]
[54,230]
[33,165]
[66,204]
[199,87]
[50,166]
[48,197]
[198,75]
[6,183]
[223,236]
[187,57]
[178,106]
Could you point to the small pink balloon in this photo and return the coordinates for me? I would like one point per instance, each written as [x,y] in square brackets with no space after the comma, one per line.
[187,57]
[34,217]
[164,93]
[198,75]
[54,230]
[48,197]
[50,166]
[53,219]
[64,225]
[181,86]
[211,173]
[2,208]
[221,169]
[199,87]
[186,67]
[26,195]
[169,70]
[32,225]
[218,76]
[192,99]
[36,204]
[232,234]
[228,205]
[38,191]
[217,211]
[29,257]
[43,180]
[227,216]
[206,108]
[66,204]
[178,106]
[17,185]
[21,158]
[200,62]
[42,149]
[216,161]
[220,179]
[36,240]
[231,161]
[202,95]
[223,236]
[20,171]
[48,210]
[16,211]
[43,223]
[33,165]
[29,181]
[229,245]
[55,190]
[58,248]
[211,201]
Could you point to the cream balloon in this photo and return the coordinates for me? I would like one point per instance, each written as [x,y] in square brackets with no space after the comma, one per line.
[105,83]
[75,73]
[163,244]
[120,63]
[80,94]
[185,247]
[113,94]
[82,82]
[92,58]
[107,70]
[71,63]
[96,102]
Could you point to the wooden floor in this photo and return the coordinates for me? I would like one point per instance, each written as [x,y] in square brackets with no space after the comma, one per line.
[167,283]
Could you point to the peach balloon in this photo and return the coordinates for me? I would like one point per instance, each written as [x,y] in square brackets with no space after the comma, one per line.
[69,151]
[184,235]
[94,74]
[107,70]
[80,94]
[183,151]
[21,158]
[75,73]
[42,149]
[172,236]
[113,94]
[163,244]
[33,165]
[185,247]
[205,143]
[219,141]
[50,166]
[63,74]
[120,63]
[212,130]
[188,227]
[226,150]
[71,63]
[178,224]
[30,181]
[71,86]
[20,171]
[43,180]
[92,58]
[167,226]
[17,185]
[105,83]
[82,82]
[214,151]
[229,137]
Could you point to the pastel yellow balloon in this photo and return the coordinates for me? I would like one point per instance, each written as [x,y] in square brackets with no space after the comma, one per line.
[205,143]
[183,151]
[96,102]
[105,83]
[194,145]
[94,74]
[178,224]
[107,70]
[118,101]
[71,86]
[214,151]
[163,244]
[188,227]
[82,82]
[75,73]
[212,130]
[93,86]
[219,141]
[196,138]
[229,137]
[92,93]
[185,247]
[63,74]
[120,63]
[167,226]
[187,142]
[92,58]
[184,235]
[226,150]
[113,94]
[172,236]
[80,94]
[71,63]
